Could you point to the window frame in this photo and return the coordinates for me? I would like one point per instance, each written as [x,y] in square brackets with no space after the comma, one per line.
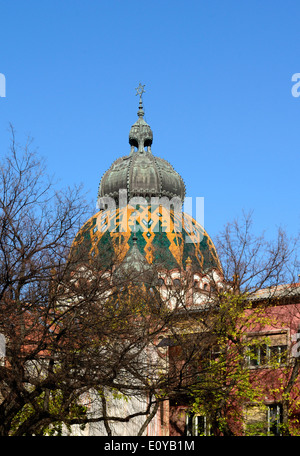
[268,422]
[277,421]
[192,425]
[262,356]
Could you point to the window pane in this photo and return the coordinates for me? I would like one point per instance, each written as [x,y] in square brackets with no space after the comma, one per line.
[278,354]
[283,354]
[200,424]
[253,355]
[263,355]
[275,419]
[196,425]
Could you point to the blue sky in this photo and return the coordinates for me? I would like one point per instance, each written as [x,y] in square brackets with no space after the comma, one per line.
[218,95]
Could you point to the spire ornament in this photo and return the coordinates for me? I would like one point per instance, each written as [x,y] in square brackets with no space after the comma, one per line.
[140,135]
[139,91]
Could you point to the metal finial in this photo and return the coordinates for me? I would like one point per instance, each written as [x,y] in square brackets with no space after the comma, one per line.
[140,90]
[140,135]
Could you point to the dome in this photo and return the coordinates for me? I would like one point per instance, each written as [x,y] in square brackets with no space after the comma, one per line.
[162,237]
[141,173]
[146,233]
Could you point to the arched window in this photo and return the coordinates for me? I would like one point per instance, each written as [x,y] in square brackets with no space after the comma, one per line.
[160,282]
[176,283]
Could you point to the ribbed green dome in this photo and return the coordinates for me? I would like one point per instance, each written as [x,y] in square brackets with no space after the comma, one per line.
[141,173]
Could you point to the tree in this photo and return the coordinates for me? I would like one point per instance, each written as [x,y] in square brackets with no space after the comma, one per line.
[217,351]
[85,338]
[265,273]
[75,333]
